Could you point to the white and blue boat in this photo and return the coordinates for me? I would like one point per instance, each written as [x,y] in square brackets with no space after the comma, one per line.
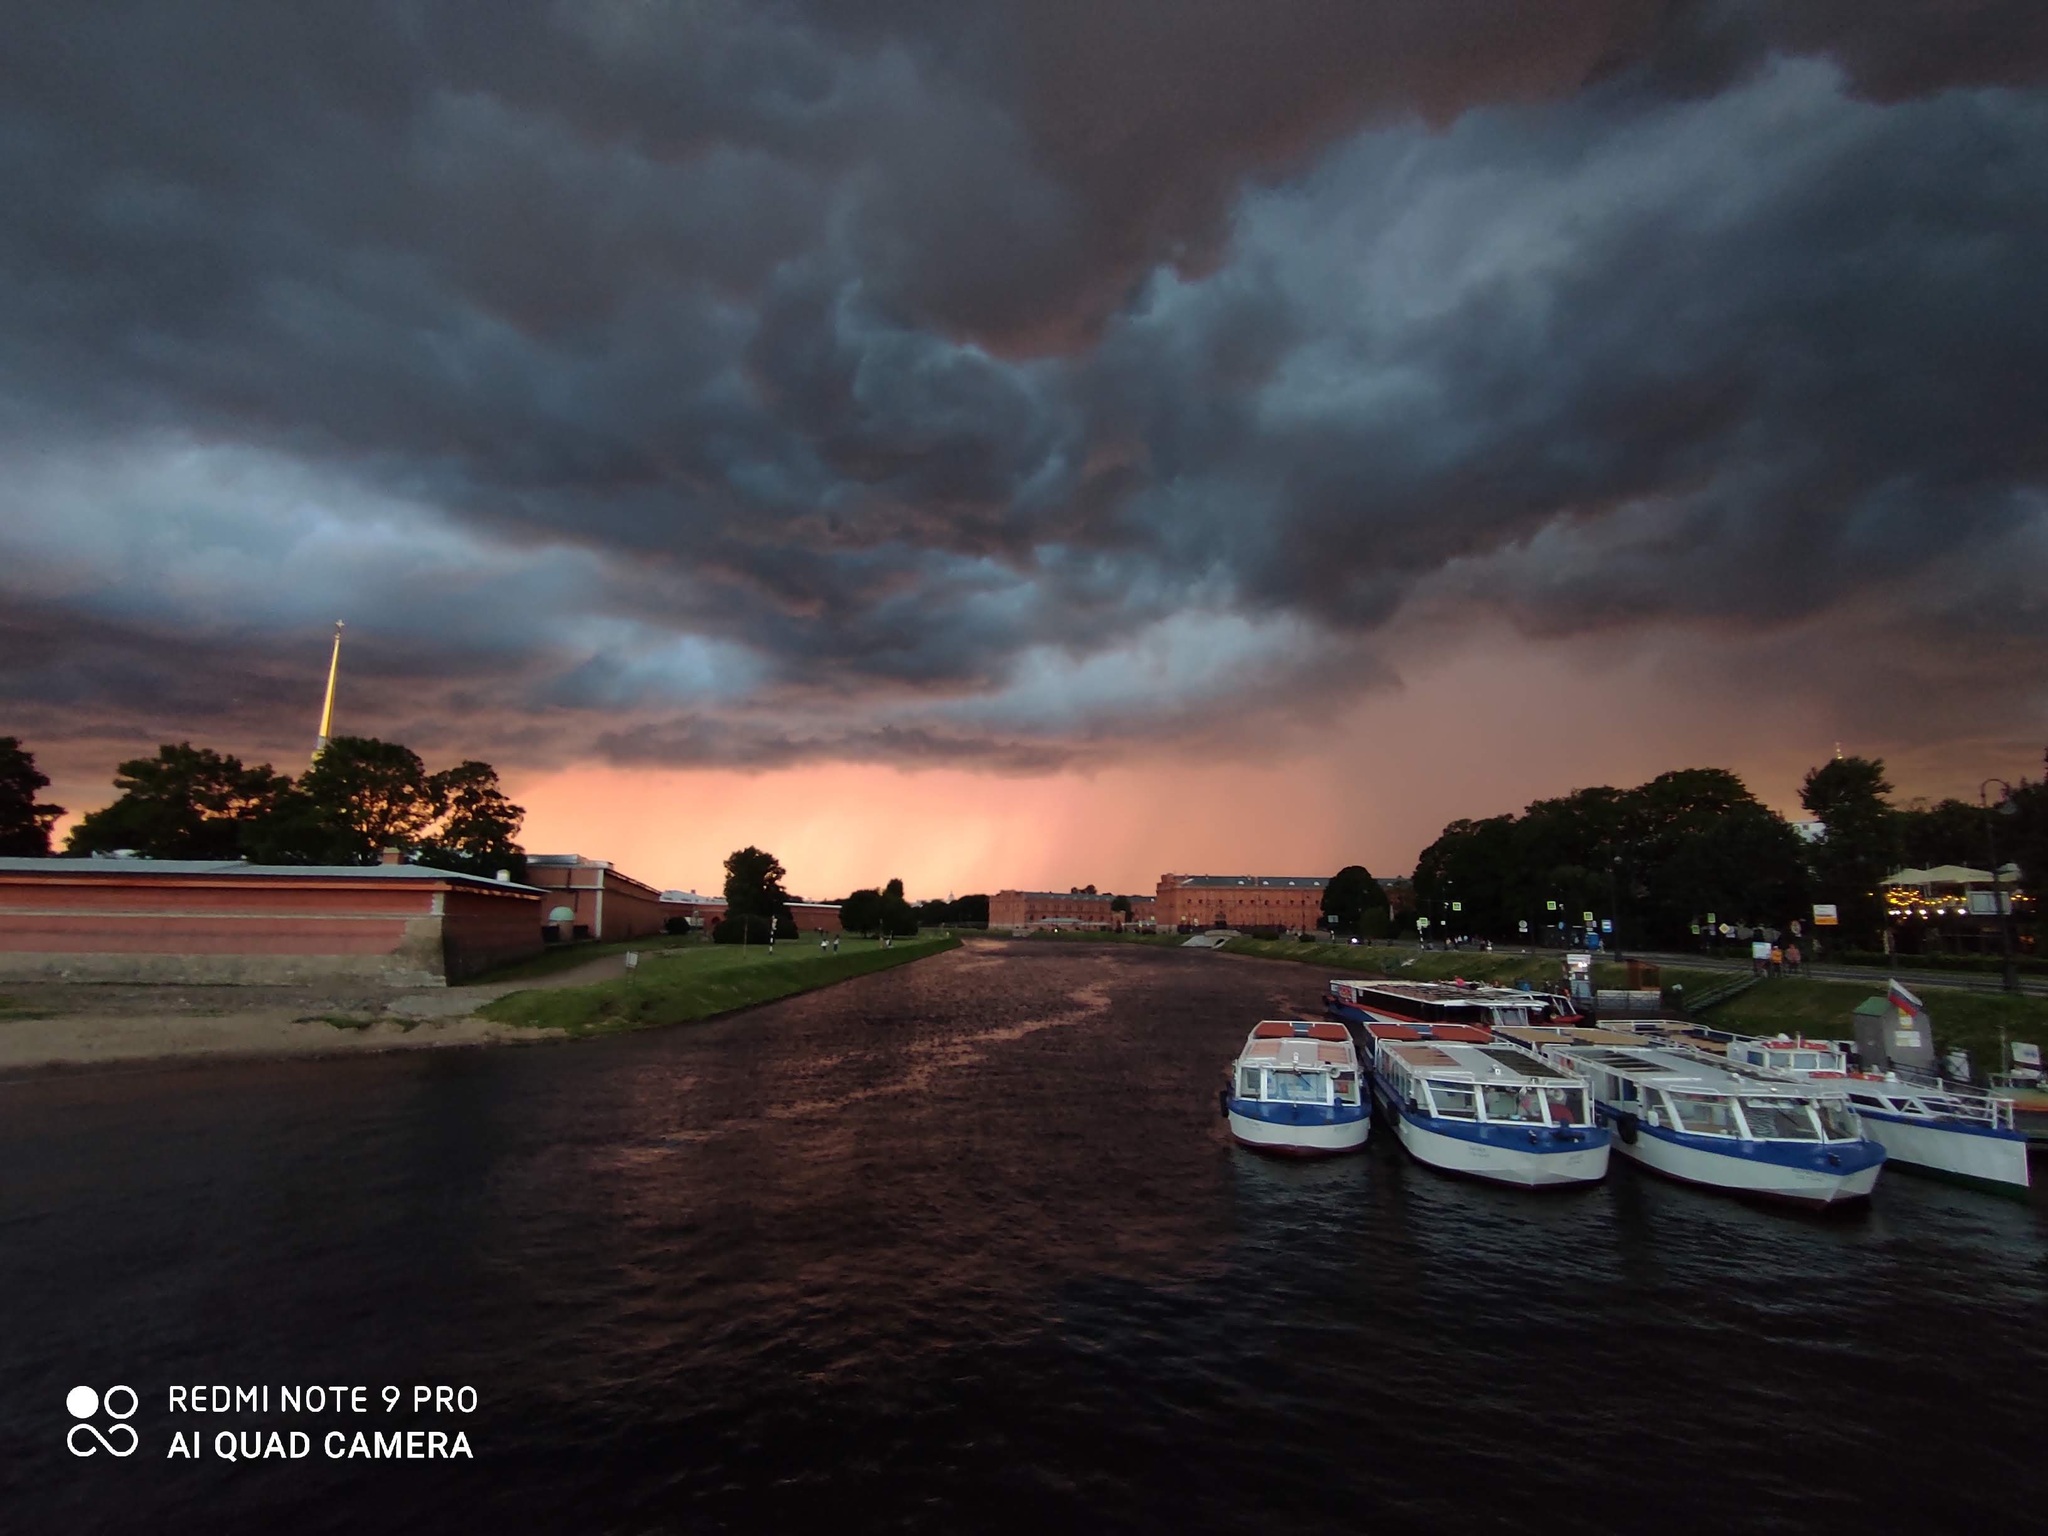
[1425,1004]
[1921,1121]
[1693,1116]
[1295,1088]
[1462,1102]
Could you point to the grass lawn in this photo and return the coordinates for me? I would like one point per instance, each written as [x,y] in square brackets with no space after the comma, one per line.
[566,957]
[695,981]
[1969,1020]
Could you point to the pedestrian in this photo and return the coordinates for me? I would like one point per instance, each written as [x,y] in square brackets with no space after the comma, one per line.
[1792,959]
[1777,961]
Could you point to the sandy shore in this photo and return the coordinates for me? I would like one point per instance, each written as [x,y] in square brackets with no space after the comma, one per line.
[69,1025]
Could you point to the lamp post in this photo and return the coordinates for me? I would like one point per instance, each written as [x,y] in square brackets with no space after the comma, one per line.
[1998,902]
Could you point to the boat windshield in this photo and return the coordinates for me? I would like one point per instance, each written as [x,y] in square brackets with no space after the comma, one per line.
[1838,1121]
[1290,1086]
[1567,1105]
[1453,1100]
[1780,1120]
[1347,1087]
[1247,1082]
[1703,1114]
[1517,1104]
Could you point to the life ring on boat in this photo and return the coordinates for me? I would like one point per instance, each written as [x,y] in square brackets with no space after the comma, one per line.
[1625,1128]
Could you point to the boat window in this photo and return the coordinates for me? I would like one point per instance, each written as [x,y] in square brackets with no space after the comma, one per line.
[1779,1120]
[1453,1100]
[1298,1087]
[1805,1059]
[1516,1104]
[1247,1082]
[1838,1121]
[1567,1105]
[1347,1087]
[1703,1114]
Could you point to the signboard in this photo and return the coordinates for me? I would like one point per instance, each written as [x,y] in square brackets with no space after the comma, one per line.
[1727,932]
[1986,903]
[1550,906]
[1712,920]
[1523,925]
[1825,916]
[2025,1055]
[1760,949]
[1422,922]
[1695,929]
[1607,925]
[1457,906]
[1588,916]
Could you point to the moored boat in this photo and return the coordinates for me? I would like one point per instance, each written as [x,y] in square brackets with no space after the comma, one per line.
[1459,1101]
[1426,1004]
[1296,1088]
[1921,1121]
[1727,1125]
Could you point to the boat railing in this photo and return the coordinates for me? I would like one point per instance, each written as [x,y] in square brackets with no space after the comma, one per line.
[1963,1100]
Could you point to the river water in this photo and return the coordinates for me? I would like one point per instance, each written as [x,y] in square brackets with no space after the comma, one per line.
[963,1247]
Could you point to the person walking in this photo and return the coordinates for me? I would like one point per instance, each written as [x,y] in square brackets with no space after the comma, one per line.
[1793,960]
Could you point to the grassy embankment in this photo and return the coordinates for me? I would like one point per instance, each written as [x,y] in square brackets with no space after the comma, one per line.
[1968,1020]
[690,981]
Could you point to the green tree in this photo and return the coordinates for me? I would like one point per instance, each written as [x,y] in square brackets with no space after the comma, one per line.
[476,827]
[1859,847]
[753,885]
[861,912]
[187,802]
[1951,832]
[1356,901]
[1121,906]
[360,797]
[24,824]
[897,917]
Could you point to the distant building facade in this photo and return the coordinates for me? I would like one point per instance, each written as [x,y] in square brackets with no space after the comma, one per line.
[1066,909]
[589,899]
[200,922]
[707,912]
[1240,901]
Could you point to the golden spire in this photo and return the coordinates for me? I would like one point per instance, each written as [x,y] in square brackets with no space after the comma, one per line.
[327,710]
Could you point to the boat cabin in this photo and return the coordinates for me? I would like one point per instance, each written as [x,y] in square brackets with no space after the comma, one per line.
[1701,1095]
[1480,1083]
[1295,1061]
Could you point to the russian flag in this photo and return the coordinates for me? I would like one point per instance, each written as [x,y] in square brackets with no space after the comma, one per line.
[1903,1000]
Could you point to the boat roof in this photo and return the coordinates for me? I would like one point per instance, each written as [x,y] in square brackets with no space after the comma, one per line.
[1549,1034]
[1300,1043]
[1497,1064]
[1452,992]
[1681,1067]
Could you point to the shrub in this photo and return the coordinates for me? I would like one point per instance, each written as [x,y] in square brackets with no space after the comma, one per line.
[676,924]
[749,929]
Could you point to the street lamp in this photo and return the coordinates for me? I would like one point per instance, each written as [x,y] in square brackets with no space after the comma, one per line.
[1998,902]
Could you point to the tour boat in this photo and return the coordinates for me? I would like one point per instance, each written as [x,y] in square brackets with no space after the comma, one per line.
[1461,1102]
[1728,1125]
[1296,1088]
[1425,1004]
[1921,1121]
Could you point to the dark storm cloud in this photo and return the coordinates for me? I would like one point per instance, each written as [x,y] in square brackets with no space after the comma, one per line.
[994,382]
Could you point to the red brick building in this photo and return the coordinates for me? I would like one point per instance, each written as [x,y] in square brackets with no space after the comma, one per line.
[1064,909]
[202,923]
[1241,901]
[600,902]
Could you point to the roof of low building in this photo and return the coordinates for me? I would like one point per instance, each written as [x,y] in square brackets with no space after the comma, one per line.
[1949,874]
[139,866]
[1248,881]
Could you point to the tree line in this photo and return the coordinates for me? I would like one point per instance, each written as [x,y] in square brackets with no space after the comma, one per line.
[757,905]
[1662,858]
[359,797]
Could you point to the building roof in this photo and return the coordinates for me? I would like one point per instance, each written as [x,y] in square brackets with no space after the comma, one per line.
[1068,895]
[1288,882]
[1949,874]
[138,866]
